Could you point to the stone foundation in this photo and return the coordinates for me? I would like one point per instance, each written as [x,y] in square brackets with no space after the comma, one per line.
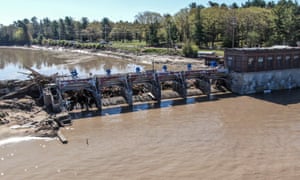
[255,82]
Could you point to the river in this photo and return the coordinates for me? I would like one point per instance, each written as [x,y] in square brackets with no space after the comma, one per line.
[226,137]
[14,60]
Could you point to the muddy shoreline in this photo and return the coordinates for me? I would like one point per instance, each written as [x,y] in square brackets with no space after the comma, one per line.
[74,56]
[24,116]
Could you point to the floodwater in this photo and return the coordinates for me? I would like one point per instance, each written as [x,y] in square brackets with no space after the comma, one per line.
[226,137]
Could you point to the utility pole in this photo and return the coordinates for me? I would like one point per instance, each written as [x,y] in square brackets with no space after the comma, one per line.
[233,23]
[169,38]
[105,32]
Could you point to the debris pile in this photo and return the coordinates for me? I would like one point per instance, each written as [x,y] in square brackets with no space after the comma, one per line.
[22,109]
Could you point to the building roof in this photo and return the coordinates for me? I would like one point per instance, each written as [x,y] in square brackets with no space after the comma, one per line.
[278,47]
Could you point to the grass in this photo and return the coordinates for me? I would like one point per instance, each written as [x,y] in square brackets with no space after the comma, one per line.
[129,44]
[141,47]
[137,46]
[218,52]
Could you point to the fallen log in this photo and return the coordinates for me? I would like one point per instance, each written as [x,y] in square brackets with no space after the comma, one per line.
[41,79]
[20,92]
[62,138]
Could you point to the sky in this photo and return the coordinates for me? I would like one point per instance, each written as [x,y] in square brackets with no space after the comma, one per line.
[115,10]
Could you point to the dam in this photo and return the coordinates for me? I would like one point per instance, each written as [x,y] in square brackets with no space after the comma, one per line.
[67,92]
[245,71]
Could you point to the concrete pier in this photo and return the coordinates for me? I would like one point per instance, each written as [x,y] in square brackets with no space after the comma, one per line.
[255,82]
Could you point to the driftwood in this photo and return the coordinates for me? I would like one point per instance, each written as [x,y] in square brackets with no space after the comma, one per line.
[15,88]
[20,92]
[41,78]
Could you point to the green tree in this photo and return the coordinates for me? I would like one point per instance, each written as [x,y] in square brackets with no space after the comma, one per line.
[255,3]
[182,19]
[55,30]
[93,31]
[69,28]
[254,22]
[285,22]
[151,23]
[138,30]
[61,29]
[213,4]
[7,34]
[190,50]
[106,28]
[168,32]
[198,34]
[35,27]
[27,38]
[84,22]
[47,30]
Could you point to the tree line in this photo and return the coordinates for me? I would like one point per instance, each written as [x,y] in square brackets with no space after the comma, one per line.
[254,23]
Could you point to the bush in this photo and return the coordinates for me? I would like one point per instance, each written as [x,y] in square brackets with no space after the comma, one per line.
[98,46]
[45,42]
[190,50]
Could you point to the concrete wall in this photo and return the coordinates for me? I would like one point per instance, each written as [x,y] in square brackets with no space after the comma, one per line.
[254,82]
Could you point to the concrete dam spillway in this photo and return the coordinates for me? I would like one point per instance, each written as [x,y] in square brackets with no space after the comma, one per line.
[66,93]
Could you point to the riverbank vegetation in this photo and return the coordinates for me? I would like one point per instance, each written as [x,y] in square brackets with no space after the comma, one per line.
[255,23]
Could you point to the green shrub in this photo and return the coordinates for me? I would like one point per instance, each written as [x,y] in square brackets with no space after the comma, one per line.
[160,51]
[98,46]
[190,50]
[45,42]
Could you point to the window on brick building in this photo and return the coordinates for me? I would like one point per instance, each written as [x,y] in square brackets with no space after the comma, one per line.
[250,64]
[279,62]
[296,61]
[288,61]
[270,62]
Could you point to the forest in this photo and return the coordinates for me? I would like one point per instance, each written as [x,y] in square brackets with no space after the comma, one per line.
[255,23]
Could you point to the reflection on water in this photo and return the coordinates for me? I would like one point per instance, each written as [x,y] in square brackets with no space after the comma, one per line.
[12,61]
[166,103]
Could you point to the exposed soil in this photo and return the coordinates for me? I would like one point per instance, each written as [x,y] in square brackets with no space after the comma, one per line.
[24,117]
[86,55]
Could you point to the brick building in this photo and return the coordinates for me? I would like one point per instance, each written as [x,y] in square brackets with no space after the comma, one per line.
[262,59]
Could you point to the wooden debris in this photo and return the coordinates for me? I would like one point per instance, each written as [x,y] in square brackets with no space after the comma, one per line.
[62,138]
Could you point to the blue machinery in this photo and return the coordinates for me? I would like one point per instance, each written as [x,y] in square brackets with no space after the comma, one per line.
[125,82]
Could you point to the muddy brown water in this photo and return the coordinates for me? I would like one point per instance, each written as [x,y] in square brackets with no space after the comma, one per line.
[226,137]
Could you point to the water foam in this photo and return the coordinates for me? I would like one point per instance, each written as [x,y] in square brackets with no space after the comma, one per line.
[22,139]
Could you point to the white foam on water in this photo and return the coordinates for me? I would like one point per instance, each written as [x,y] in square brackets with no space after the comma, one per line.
[22,139]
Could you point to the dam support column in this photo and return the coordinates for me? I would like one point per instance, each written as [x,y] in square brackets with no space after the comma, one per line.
[156,88]
[180,85]
[204,85]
